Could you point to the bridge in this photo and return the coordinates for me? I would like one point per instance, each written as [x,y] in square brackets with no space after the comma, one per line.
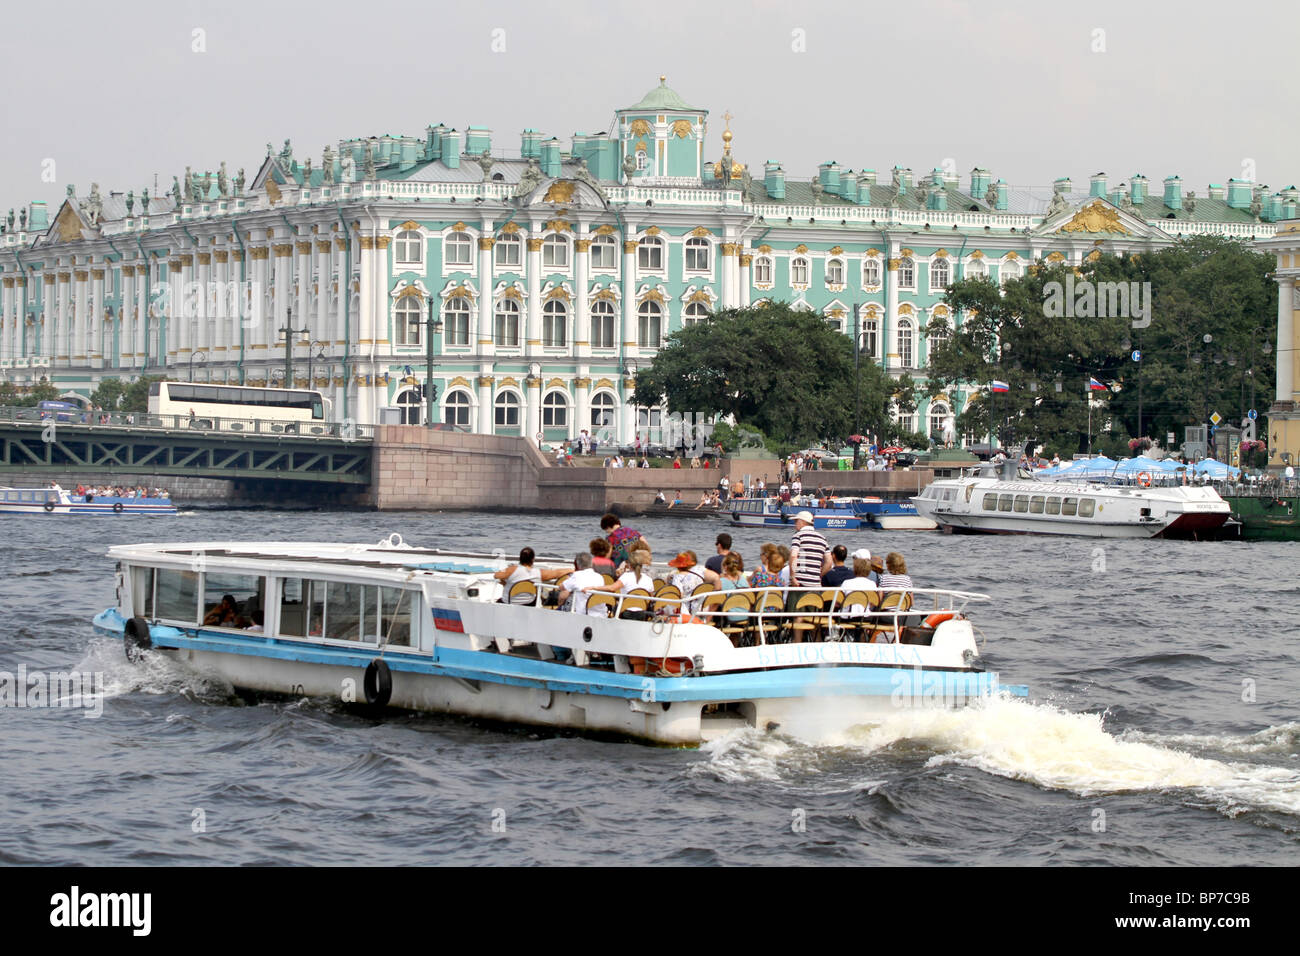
[101,444]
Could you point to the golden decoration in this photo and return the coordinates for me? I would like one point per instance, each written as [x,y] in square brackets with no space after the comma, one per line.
[560,192]
[1055,257]
[205,258]
[409,224]
[907,253]
[460,380]
[484,381]
[367,242]
[941,254]
[765,248]
[604,383]
[459,227]
[639,127]
[340,244]
[557,225]
[285,249]
[1011,255]
[699,231]
[604,295]
[939,310]
[872,252]
[641,146]
[235,256]
[581,245]
[555,383]
[653,231]
[605,230]
[381,242]
[681,128]
[629,245]
[893,265]
[8,282]
[460,290]
[746,261]
[322,245]
[700,296]
[837,313]
[512,293]
[510,227]
[534,245]
[409,292]
[582,382]
[272,191]
[652,295]
[304,249]
[485,243]
[801,248]
[977,254]
[557,293]
[221,256]
[509,380]
[1096,217]
[837,250]
[80,274]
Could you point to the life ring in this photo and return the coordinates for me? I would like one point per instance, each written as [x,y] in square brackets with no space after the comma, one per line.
[934,620]
[136,639]
[49,506]
[1144,479]
[117,507]
[378,683]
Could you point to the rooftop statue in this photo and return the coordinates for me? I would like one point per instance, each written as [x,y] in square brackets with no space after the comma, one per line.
[11,218]
[629,166]
[1189,202]
[239,182]
[22,218]
[1127,202]
[349,168]
[1256,207]
[327,166]
[371,171]
[1058,204]
[144,201]
[485,162]
[196,189]
[72,191]
[286,155]
[223,182]
[817,190]
[923,193]
[530,180]
[583,175]
[94,205]
[306,172]
[130,202]
[991,195]
[176,190]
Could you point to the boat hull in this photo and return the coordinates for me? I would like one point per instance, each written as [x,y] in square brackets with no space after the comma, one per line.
[1264,518]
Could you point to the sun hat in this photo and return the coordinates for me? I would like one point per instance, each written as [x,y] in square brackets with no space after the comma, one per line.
[804,516]
[861,554]
[683,560]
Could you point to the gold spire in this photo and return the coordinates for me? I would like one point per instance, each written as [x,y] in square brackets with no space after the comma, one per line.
[726,133]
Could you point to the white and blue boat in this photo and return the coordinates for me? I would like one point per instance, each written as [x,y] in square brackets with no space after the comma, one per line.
[56,501]
[424,630]
[840,513]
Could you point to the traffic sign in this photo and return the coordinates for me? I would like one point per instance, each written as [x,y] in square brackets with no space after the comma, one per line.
[1252,414]
[1137,355]
[1216,418]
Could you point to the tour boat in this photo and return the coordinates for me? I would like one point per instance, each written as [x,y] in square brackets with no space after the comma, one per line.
[424,630]
[56,501]
[1086,508]
[839,513]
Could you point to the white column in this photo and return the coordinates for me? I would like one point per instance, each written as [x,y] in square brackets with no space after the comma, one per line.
[206,318]
[101,336]
[141,314]
[533,308]
[486,414]
[6,321]
[323,332]
[629,322]
[302,311]
[220,304]
[889,333]
[79,318]
[187,316]
[1285,339]
[338,262]
[746,262]
[533,409]
[582,400]
[628,411]
[485,280]
[51,293]
[581,318]
[126,323]
[63,331]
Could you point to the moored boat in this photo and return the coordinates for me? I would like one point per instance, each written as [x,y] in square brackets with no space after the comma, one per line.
[56,501]
[424,630]
[838,513]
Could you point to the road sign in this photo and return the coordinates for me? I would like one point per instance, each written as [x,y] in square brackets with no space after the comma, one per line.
[1252,414]
[1137,355]
[1216,418]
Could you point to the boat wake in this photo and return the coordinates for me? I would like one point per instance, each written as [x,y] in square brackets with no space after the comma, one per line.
[1040,744]
[155,674]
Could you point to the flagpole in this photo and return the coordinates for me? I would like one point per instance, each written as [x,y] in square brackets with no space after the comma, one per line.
[1088,395]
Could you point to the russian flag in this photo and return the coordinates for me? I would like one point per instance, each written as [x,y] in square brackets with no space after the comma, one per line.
[1096,386]
[998,387]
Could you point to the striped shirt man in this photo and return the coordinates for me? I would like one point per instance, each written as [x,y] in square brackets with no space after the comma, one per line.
[810,554]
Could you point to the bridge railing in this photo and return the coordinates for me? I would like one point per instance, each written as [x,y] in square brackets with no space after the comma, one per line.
[348,431]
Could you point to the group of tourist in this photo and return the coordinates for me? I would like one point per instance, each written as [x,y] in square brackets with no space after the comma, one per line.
[116,491]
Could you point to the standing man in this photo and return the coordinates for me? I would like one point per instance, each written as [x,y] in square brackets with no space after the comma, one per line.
[810,554]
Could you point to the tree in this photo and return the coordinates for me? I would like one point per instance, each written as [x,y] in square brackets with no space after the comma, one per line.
[109,394]
[135,397]
[785,372]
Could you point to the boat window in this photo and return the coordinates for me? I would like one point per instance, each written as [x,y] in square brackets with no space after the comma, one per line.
[1036,505]
[176,596]
[1022,503]
[990,502]
[395,615]
[248,590]
[1086,506]
[1069,506]
[350,611]
[1004,502]
[142,592]
[1053,506]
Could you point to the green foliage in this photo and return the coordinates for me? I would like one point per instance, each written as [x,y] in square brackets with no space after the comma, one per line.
[109,394]
[785,372]
[135,397]
[42,391]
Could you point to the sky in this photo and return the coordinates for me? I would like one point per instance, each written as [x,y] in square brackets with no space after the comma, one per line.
[114,93]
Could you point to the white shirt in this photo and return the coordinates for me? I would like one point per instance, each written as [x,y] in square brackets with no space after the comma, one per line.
[631,582]
[521,573]
[586,578]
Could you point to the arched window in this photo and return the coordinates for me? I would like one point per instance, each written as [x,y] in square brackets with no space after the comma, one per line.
[508,249]
[555,410]
[649,325]
[602,324]
[602,411]
[697,254]
[641,160]
[604,253]
[555,252]
[871,272]
[799,271]
[555,321]
[456,408]
[939,413]
[694,313]
[938,332]
[1008,271]
[507,410]
[410,247]
[506,331]
[906,344]
[408,321]
[410,403]
[459,249]
[455,319]
[835,272]
[650,254]
[976,269]
[836,322]
[762,271]
[906,273]
[939,274]
[869,337]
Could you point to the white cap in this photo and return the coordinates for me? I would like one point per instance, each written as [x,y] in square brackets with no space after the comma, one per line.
[861,553]
[804,516]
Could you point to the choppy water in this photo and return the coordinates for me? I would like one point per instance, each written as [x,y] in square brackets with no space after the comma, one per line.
[1136,748]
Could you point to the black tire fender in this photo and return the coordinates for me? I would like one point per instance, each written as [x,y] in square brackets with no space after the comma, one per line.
[378,683]
[49,506]
[136,639]
[117,507]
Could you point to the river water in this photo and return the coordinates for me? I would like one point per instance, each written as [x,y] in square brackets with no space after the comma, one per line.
[1162,726]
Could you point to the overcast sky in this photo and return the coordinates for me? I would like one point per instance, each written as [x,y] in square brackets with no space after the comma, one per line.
[115,92]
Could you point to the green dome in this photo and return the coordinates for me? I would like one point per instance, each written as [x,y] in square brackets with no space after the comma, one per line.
[662,98]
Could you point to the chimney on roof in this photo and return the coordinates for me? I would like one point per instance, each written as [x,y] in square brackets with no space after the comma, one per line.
[38,216]
[1138,189]
[1239,193]
[774,179]
[866,179]
[1097,185]
[477,139]
[1216,191]
[551,158]
[530,144]
[1004,197]
[1174,193]
[979,183]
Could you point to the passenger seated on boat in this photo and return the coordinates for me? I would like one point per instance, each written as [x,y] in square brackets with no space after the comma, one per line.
[523,571]
[767,574]
[222,614]
[691,575]
[863,580]
[258,622]
[873,567]
[580,584]
[634,578]
[600,560]
[838,573]
[895,577]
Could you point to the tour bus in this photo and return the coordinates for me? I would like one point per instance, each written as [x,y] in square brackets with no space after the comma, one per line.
[240,408]
[59,411]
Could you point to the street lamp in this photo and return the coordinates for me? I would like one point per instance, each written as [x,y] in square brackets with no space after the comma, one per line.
[432,326]
[316,350]
[629,372]
[192,357]
[288,331]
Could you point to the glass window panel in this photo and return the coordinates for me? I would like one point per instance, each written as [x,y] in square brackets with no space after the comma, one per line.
[1022,503]
[1086,507]
[395,615]
[1036,505]
[1004,502]
[178,595]
[1053,506]
[1069,506]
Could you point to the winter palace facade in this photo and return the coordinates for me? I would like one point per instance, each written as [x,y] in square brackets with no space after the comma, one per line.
[550,273]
